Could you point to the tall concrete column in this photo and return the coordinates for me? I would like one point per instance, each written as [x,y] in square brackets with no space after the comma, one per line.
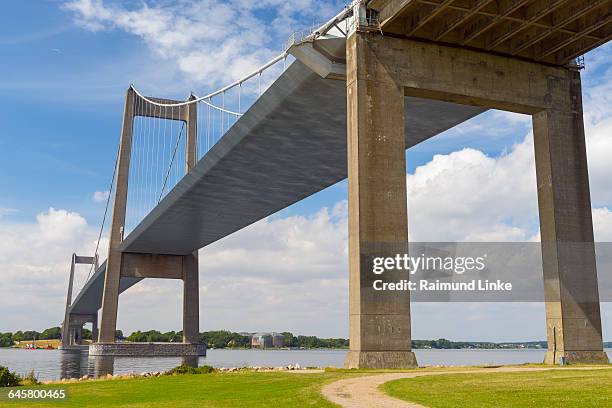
[66,325]
[76,335]
[110,297]
[94,329]
[379,320]
[573,322]
[191,151]
[191,287]
[191,299]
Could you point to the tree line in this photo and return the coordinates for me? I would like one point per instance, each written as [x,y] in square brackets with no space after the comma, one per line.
[313,341]
[229,339]
[52,333]
[213,339]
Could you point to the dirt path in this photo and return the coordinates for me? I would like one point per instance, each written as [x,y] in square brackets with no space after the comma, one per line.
[363,392]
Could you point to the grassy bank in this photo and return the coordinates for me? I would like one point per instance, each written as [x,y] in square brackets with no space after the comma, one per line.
[543,389]
[538,389]
[243,389]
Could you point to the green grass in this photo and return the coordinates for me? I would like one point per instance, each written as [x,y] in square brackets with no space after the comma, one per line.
[567,388]
[542,389]
[246,389]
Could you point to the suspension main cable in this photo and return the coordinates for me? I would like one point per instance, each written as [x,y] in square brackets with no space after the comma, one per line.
[210,95]
[110,193]
[222,109]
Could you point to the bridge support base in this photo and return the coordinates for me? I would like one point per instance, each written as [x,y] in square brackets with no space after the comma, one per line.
[576,357]
[72,330]
[147,349]
[380,359]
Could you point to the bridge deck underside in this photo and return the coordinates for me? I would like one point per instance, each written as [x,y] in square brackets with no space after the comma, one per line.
[289,145]
[548,31]
[89,299]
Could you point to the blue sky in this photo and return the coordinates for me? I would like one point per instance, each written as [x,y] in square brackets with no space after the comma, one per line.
[66,85]
[64,71]
[59,130]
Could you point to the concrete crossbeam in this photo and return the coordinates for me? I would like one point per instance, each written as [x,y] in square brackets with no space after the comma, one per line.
[467,77]
[152,266]
[148,110]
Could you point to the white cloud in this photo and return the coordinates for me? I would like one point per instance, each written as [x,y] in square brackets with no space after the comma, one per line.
[209,40]
[277,274]
[510,118]
[597,99]
[285,273]
[599,153]
[602,224]
[311,247]
[60,226]
[100,196]
[467,195]
[35,260]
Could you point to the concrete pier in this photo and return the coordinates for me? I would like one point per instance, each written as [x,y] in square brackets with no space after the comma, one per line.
[380,69]
[72,326]
[191,286]
[147,349]
[573,322]
[145,265]
[379,321]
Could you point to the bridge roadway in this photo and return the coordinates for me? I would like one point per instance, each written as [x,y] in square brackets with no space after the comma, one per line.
[289,145]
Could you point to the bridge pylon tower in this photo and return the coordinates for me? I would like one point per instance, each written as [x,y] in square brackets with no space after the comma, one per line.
[148,265]
[72,327]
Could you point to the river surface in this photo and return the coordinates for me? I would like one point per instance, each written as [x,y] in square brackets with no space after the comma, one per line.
[56,364]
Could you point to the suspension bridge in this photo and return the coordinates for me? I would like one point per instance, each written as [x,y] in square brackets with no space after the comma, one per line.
[346,100]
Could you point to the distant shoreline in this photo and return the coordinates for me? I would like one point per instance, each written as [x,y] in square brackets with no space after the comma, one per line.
[42,344]
[225,339]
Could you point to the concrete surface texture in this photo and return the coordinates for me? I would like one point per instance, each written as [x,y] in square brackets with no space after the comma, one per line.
[552,95]
[147,349]
[379,321]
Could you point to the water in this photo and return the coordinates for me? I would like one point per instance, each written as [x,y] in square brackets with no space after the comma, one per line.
[56,364]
